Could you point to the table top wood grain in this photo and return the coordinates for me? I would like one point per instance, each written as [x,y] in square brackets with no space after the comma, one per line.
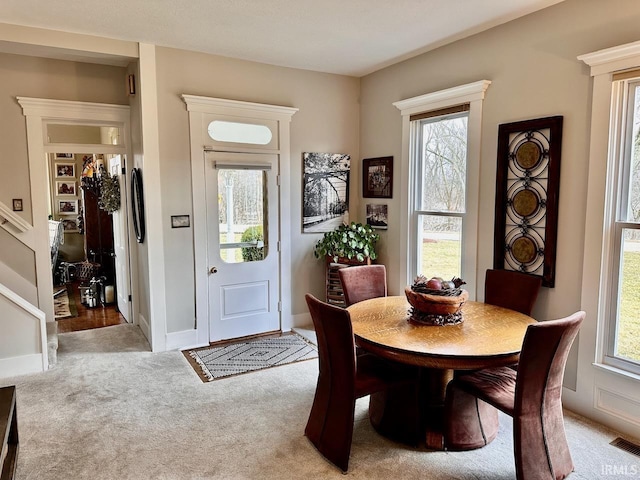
[489,335]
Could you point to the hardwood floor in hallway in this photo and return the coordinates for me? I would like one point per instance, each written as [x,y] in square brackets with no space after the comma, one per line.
[88,318]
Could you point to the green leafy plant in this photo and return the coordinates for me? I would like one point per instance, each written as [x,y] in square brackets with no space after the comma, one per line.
[353,241]
[109,192]
[251,254]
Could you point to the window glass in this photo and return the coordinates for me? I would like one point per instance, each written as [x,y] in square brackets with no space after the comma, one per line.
[444,169]
[84,134]
[624,323]
[241,213]
[235,132]
[627,343]
[441,188]
[440,241]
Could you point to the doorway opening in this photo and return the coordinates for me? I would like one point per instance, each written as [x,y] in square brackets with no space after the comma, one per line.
[87,219]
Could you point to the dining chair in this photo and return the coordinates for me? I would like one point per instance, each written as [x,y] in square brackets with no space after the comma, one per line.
[531,395]
[363,282]
[342,379]
[514,290]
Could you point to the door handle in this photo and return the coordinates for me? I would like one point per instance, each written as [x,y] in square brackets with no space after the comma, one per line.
[213,270]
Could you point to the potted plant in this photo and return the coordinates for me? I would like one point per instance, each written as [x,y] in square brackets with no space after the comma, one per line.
[353,243]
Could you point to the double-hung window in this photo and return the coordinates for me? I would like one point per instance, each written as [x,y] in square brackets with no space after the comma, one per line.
[440,183]
[622,337]
[441,149]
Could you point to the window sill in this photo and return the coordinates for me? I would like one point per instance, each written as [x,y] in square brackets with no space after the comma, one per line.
[617,371]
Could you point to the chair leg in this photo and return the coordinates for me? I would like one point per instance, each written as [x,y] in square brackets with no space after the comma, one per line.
[540,446]
[469,423]
[330,425]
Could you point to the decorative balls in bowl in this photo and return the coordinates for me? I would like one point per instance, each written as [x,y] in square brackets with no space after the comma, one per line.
[435,301]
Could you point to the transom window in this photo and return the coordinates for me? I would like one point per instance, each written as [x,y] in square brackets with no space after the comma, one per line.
[235,132]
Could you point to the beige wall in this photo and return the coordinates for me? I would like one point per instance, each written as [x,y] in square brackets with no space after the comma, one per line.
[41,78]
[534,72]
[326,122]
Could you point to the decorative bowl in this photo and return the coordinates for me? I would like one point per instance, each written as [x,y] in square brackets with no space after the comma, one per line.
[436,309]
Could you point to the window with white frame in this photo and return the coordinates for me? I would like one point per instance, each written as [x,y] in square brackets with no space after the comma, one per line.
[622,345]
[440,183]
[441,147]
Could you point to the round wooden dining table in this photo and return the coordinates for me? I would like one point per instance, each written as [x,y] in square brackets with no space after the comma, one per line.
[488,336]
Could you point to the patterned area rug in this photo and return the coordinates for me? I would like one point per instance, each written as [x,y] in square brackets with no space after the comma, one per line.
[237,358]
[63,307]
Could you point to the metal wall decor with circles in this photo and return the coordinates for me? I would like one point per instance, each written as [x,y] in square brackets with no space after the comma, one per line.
[527,188]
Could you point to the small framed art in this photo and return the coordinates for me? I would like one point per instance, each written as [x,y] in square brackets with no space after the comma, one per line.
[65,170]
[65,188]
[67,207]
[377,177]
[377,216]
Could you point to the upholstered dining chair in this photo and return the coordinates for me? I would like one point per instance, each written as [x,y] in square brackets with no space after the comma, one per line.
[363,282]
[514,290]
[531,396]
[341,380]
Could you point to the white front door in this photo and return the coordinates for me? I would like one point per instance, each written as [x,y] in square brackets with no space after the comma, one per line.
[121,241]
[242,233]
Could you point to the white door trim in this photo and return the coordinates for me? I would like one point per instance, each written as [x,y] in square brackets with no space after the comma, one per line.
[202,110]
[38,112]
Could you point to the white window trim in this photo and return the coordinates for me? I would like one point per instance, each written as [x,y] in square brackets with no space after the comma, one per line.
[604,152]
[473,94]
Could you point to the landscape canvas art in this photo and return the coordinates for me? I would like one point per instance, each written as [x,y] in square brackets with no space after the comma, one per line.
[326,191]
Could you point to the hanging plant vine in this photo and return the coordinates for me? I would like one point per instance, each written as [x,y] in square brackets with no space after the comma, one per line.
[109,192]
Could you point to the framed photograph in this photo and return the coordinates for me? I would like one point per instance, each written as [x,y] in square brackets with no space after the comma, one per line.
[69,225]
[325,197]
[377,216]
[527,189]
[180,221]
[65,188]
[65,170]
[377,177]
[64,155]
[17,204]
[68,207]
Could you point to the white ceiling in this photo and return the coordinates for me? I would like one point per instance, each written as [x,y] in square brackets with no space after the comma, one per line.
[350,37]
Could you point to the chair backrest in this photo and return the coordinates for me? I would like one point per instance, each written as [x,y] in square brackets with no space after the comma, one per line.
[543,358]
[514,290]
[363,282]
[336,347]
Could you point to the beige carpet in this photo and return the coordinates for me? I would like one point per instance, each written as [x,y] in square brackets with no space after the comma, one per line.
[111,409]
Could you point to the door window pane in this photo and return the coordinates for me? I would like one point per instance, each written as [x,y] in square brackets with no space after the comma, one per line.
[235,132]
[242,215]
[440,252]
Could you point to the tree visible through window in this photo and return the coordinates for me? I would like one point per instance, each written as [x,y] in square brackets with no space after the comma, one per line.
[442,167]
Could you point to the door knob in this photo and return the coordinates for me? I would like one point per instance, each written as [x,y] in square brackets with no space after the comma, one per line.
[213,270]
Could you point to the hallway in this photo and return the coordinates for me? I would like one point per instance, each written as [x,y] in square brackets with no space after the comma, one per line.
[88,318]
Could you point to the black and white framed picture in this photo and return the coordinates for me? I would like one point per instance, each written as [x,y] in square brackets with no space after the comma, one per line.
[377,216]
[325,200]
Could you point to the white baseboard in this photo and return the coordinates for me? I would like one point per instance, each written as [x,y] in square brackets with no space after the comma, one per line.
[12,366]
[145,327]
[182,340]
